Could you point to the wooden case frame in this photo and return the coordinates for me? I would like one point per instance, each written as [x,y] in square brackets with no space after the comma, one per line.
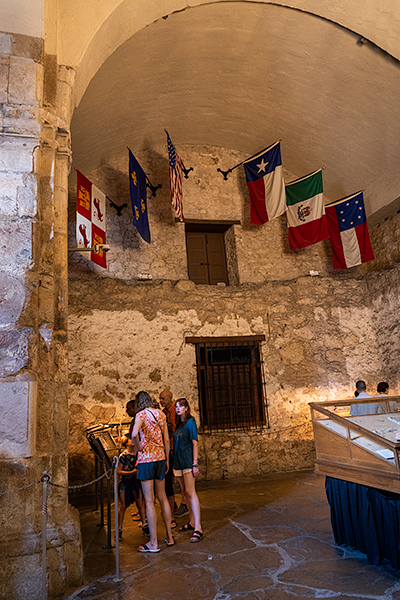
[361,449]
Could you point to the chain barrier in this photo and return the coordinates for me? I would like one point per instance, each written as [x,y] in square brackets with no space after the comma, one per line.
[24,487]
[82,485]
[46,478]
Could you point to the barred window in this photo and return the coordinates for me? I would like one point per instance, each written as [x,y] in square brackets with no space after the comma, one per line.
[230,383]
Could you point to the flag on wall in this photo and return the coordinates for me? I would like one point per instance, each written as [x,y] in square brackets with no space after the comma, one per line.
[264,178]
[90,219]
[306,216]
[348,230]
[137,187]
[175,178]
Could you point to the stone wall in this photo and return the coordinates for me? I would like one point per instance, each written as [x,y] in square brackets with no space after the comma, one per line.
[262,253]
[34,165]
[126,335]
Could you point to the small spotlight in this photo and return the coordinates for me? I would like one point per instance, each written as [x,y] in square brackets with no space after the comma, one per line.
[362,41]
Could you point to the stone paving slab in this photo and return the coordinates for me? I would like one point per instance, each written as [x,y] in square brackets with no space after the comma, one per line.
[265,538]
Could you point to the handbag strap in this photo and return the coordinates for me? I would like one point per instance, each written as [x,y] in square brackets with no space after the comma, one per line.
[156,420]
[154,417]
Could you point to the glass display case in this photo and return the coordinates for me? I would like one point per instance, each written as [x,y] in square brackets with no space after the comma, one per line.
[359,448]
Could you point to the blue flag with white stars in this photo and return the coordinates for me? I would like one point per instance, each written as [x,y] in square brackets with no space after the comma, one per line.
[348,232]
[351,212]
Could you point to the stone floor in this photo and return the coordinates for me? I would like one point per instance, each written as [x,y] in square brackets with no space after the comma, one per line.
[265,538]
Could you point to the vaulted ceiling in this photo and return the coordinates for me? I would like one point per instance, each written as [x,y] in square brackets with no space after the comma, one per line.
[242,75]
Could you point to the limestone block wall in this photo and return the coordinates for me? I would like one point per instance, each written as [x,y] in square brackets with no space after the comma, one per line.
[128,336]
[34,164]
[262,253]
[382,279]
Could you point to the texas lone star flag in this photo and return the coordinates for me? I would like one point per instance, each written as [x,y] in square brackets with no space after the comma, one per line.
[264,178]
[306,216]
[348,230]
[90,219]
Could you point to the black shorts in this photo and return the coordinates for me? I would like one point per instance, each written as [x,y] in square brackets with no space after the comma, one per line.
[129,490]
[169,479]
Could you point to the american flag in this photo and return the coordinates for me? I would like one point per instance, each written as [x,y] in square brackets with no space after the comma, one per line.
[175,177]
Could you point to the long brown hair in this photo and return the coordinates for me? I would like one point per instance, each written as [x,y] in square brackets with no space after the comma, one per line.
[187,415]
[143,400]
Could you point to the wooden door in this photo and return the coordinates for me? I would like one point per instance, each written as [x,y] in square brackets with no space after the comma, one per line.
[206,257]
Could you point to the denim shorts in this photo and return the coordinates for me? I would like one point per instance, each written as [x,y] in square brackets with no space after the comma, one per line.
[151,470]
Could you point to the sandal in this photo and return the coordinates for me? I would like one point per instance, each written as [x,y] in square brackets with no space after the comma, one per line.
[146,548]
[196,537]
[186,527]
[167,543]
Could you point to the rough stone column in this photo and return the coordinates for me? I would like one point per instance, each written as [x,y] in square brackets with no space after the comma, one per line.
[34,166]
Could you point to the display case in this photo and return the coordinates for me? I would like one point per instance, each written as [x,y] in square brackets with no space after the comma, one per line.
[360,448]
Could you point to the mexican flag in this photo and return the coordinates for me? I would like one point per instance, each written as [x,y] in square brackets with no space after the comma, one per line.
[306,211]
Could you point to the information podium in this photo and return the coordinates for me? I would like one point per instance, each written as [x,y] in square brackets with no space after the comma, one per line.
[359,454]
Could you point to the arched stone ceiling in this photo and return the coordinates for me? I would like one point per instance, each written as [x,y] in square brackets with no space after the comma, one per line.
[242,75]
[90,31]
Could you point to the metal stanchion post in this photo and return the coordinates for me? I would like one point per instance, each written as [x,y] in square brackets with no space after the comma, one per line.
[96,485]
[109,542]
[101,524]
[45,478]
[116,461]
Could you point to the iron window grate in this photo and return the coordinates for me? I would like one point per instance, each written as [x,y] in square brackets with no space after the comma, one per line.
[230,383]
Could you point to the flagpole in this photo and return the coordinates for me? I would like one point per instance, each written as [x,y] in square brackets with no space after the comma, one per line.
[184,169]
[305,176]
[226,173]
[119,208]
[153,188]
[345,197]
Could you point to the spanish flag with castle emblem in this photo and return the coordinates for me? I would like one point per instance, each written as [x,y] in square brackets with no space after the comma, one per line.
[137,187]
[306,216]
[90,219]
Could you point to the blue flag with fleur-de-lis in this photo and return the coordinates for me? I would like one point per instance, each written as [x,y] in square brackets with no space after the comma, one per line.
[137,187]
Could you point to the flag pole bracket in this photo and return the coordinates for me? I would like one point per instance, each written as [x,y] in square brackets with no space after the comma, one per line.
[186,171]
[96,248]
[119,208]
[152,187]
[225,173]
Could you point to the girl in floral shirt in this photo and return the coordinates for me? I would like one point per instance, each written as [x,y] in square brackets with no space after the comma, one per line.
[150,436]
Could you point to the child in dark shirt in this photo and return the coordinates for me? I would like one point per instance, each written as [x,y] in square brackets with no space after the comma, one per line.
[129,489]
